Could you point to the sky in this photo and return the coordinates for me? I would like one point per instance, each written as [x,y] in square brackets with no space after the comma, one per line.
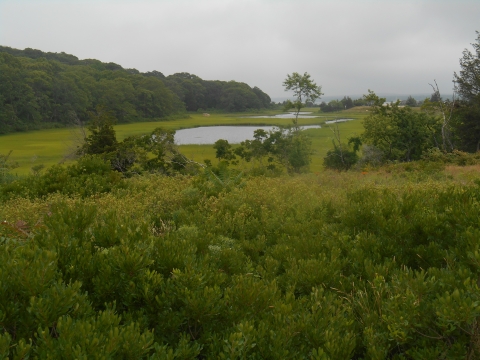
[348,47]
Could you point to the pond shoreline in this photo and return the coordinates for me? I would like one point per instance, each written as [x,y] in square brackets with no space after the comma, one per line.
[208,135]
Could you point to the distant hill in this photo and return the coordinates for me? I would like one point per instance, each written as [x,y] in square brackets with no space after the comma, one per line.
[44,89]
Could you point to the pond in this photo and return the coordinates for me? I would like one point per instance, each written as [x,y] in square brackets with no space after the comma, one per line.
[290,115]
[337,121]
[210,134]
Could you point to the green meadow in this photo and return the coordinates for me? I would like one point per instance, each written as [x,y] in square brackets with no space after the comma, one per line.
[52,146]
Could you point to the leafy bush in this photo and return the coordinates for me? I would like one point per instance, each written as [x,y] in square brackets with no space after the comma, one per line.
[325,267]
[89,176]
[456,157]
[340,158]
[6,166]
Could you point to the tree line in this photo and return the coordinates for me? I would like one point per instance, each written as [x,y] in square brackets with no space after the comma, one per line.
[232,96]
[347,103]
[43,89]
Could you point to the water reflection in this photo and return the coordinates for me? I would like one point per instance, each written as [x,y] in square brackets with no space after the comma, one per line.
[290,115]
[210,134]
[337,121]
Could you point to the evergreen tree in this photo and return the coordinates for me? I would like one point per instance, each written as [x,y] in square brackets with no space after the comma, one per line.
[102,138]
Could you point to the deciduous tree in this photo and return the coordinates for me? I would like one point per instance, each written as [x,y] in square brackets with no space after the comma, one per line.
[304,89]
[400,133]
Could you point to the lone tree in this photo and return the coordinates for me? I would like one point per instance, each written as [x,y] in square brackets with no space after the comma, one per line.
[304,89]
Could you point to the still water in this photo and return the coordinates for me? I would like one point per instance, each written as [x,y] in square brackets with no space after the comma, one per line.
[290,115]
[337,121]
[210,134]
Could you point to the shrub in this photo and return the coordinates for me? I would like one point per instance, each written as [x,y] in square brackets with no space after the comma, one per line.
[340,158]
[332,266]
[89,176]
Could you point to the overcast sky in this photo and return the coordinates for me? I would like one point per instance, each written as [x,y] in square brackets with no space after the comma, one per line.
[389,46]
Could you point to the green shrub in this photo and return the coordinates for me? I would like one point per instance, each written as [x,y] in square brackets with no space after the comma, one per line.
[335,266]
[91,175]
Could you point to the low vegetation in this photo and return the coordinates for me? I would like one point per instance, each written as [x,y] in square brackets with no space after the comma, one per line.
[136,251]
[375,265]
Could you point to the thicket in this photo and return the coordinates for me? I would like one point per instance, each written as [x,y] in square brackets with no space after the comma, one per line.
[270,152]
[316,267]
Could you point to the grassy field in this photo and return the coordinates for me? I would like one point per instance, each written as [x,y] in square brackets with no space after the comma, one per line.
[49,147]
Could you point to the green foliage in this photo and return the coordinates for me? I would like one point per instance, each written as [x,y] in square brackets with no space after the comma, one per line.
[285,146]
[229,96]
[411,101]
[305,90]
[467,125]
[155,152]
[341,157]
[41,90]
[333,105]
[102,139]
[89,176]
[347,102]
[220,265]
[468,81]
[455,157]
[216,179]
[467,111]
[223,151]
[6,166]
[399,132]
[336,105]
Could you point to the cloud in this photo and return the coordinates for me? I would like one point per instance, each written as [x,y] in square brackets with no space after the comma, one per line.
[347,46]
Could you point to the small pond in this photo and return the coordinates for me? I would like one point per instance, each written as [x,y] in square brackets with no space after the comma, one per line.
[210,134]
[289,115]
[337,121]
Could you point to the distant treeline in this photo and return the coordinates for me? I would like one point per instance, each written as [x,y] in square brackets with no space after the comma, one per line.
[347,103]
[43,89]
[337,105]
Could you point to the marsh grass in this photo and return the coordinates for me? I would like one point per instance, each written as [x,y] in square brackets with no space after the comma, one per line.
[49,147]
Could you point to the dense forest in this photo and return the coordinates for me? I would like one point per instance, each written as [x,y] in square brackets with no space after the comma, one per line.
[42,89]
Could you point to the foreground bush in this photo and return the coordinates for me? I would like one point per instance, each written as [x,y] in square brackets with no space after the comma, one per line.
[328,267]
[89,176]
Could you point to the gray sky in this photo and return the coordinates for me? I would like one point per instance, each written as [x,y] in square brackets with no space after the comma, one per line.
[389,46]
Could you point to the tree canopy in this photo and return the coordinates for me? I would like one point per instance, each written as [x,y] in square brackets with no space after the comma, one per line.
[468,81]
[399,132]
[305,90]
[467,112]
[232,96]
[39,89]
